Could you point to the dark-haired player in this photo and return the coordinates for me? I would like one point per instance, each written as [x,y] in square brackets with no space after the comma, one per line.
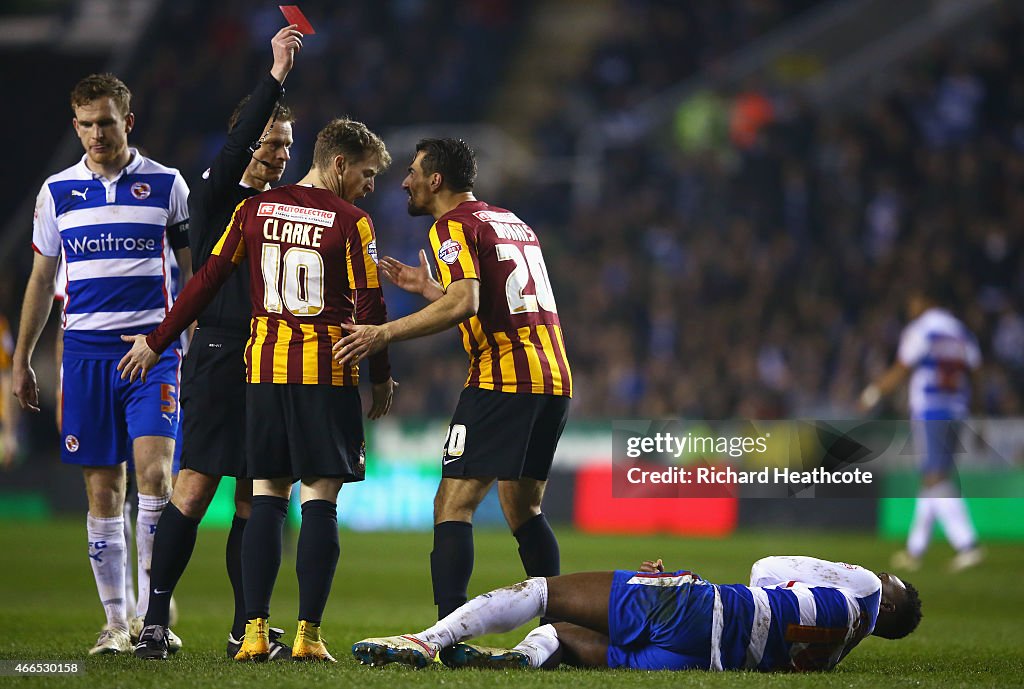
[311,256]
[939,355]
[797,614]
[213,375]
[494,285]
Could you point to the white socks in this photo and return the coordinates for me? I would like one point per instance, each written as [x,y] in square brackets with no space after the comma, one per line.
[129,566]
[943,503]
[499,611]
[921,526]
[956,522]
[539,645]
[150,509]
[107,556]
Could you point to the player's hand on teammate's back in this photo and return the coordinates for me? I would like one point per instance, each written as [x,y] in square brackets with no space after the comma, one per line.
[285,44]
[361,341]
[25,387]
[139,359]
[415,279]
[383,394]
[652,566]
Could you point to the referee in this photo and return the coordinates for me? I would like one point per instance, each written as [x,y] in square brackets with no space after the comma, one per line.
[213,377]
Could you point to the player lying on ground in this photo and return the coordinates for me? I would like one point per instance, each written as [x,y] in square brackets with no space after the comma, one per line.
[798,613]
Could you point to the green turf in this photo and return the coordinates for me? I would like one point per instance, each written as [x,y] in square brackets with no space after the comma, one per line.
[972,634]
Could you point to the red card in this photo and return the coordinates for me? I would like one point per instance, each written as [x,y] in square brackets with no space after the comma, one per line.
[293,15]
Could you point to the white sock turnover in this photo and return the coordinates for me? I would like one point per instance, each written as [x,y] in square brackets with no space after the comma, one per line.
[539,645]
[500,610]
[107,556]
[150,509]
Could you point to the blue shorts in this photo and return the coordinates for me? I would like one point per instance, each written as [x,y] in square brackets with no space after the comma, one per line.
[103,414]
[936,442]
[659,621]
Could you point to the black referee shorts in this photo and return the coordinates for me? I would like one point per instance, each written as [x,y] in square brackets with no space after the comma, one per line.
[213,403]
[503,435]
[304,431]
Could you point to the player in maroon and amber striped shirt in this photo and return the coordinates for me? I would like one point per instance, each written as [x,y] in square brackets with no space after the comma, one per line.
[311,270]
[312,261]
[514,340]
[493,284]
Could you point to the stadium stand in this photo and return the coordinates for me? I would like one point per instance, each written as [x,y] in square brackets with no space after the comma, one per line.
[746,261]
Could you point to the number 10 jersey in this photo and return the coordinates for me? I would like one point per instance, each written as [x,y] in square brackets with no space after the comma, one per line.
[313,266]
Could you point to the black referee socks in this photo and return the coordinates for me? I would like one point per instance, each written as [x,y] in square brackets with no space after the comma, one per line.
[316,557]
[173,543]
[451,565]
[233,555]
[261,552]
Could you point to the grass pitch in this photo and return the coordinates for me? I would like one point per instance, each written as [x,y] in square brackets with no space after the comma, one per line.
[972,634]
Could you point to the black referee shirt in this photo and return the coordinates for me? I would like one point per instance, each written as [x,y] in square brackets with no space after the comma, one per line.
[213,199]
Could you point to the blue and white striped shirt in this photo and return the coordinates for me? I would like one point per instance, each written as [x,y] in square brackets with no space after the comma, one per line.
[117,236]
[941,351]
[799,613]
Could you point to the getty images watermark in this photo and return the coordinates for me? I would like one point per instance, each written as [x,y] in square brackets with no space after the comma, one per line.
[805,458]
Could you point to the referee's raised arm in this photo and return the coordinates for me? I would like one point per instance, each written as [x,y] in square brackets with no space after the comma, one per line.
[253,157]
[250,125]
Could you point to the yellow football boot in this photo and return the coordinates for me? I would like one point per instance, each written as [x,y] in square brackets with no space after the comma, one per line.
[256,642]
[309,646]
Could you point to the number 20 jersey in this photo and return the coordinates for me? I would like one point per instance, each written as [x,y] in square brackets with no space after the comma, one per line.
[514,341]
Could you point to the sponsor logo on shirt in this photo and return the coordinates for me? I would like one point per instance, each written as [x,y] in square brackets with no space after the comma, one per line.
[371,250]
[492,216]
[296,213]
[449,251]
[107,242]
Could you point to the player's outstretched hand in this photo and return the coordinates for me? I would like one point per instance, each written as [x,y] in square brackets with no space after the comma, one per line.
[285,44]
[361,341]
[25,387]
[415,279]
[652,566]
[139,359]
[383,394]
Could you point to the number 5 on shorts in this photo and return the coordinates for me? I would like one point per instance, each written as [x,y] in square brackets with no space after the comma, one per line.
[454,442]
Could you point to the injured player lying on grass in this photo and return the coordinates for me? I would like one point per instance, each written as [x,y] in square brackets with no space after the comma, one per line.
[797,614]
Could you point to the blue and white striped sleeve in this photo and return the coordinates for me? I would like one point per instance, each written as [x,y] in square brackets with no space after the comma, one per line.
[45,234]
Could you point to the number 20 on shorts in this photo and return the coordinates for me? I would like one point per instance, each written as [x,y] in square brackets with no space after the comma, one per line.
[455,441]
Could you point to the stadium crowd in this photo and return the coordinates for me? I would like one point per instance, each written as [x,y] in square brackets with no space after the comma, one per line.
[754,269]
[760,269]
